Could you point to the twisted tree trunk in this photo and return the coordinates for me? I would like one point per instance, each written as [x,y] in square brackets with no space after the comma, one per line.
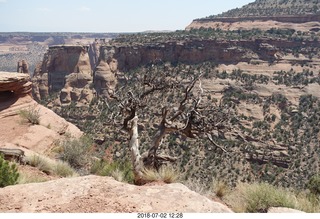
[135,153]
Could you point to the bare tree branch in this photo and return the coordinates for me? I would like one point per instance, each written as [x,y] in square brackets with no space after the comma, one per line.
[215,144]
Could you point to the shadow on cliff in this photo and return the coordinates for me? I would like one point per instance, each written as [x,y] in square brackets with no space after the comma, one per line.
[7,98]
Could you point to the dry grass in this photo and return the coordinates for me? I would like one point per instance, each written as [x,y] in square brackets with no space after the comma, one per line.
[31,115]
[165,174]
[220,188]
[51,167]
[197,186]
[25,178]
[120,171]
[63,169]
[117,174]
[39,162]
[259,197]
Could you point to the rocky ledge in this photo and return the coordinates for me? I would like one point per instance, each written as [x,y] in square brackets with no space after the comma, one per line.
[298,22]
[104,194]
[14,83]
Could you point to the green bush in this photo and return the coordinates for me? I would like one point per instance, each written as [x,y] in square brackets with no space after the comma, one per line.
[259,197]
[314,185]
[31,114]
[8,173]
[121,171]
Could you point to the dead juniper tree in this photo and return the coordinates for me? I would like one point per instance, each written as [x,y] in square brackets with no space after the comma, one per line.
[187,115]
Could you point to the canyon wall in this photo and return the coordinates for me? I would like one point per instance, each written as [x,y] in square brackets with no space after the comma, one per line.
[298,23]
[198,51]
[65,70]
[284,19]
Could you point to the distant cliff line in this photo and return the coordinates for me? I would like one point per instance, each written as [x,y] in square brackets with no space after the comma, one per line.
[283,18]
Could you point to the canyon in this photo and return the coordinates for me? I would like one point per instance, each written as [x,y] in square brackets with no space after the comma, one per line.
[251,84]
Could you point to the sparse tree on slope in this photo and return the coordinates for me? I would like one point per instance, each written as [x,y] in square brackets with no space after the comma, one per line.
[182,112]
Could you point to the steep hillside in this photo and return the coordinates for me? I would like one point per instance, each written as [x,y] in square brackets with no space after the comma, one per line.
[274,8]
[300,15]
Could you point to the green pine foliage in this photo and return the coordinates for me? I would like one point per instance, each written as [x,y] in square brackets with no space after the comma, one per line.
[8,173]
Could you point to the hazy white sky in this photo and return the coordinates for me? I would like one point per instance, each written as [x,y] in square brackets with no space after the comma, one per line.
[106,15]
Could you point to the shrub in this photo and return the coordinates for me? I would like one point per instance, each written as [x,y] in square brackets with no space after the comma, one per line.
[40,163]
[63,169]
[219,188]
[8,173]
[165,174]
[314,185]
[76,152]
[121,171]
[59,168]
[31,114]
[259,197]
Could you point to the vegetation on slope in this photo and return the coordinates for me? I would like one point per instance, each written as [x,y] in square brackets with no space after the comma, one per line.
[279,147]
[274,8]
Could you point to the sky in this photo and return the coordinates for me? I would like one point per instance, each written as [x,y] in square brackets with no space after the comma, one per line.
[106,15]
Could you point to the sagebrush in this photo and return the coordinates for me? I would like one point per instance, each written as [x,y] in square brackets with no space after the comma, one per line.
[31,114]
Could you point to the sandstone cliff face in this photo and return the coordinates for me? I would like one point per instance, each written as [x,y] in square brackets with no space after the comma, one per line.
[104,74]
[94,52]
[14,84]
[198,51]
[15,95]
[67,69]
[23,67]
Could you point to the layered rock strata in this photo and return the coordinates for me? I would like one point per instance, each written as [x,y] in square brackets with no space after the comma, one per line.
[298,22]
[65,70]
[15,83]
[15,130]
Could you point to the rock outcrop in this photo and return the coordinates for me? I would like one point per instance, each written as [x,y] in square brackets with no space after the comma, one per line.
[104,78]
[297,22]
[104,194]
[23,67]
[195,51]
[65,70]
[94,52]
[15,131]
[14,84]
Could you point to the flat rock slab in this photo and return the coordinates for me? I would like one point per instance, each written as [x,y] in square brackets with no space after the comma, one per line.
[104,194]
